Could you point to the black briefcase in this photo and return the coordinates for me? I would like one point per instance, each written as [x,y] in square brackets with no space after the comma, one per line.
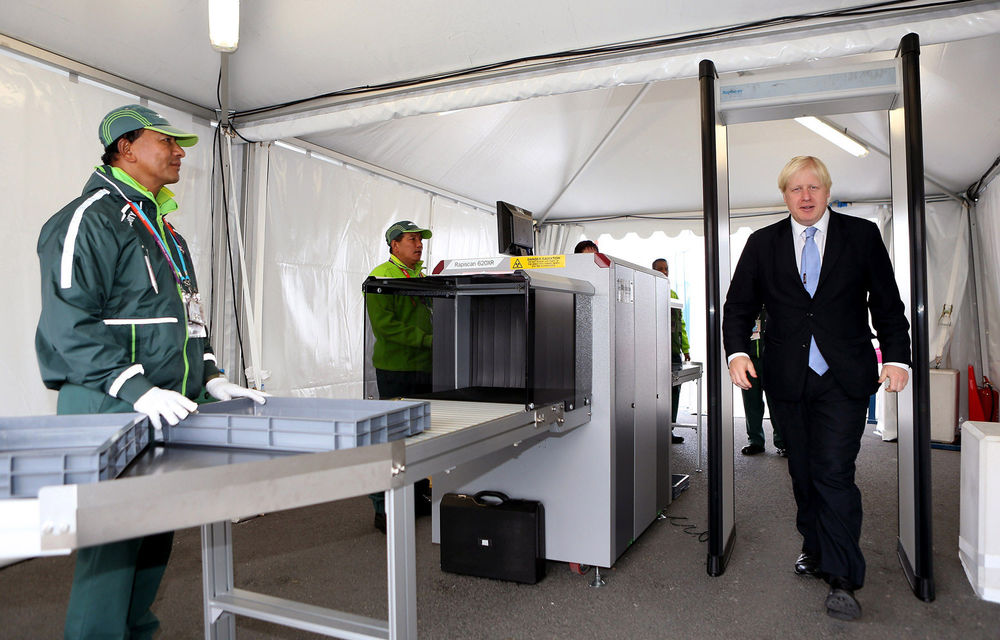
[500,538]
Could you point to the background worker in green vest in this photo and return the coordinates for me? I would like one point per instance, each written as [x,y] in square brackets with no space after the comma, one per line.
[753,398]
[679,347]
[122,329]
[403,332]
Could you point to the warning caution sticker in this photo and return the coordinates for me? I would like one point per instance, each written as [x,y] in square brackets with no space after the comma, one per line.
[537,262]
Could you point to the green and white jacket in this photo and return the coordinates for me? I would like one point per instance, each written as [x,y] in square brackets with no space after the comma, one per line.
[113,318]
[402,325]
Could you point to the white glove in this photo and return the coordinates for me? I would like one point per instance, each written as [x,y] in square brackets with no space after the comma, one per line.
[157,402]
[222,389]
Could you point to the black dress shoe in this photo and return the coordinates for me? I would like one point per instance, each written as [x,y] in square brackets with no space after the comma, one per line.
[807,565]
[840,602]
[782,452]
[676,439]
[380,522]
[752,449]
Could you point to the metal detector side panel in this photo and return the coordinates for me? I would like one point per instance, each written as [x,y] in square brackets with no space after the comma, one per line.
[715,177]
[644,428]
[664,377]
[623,418]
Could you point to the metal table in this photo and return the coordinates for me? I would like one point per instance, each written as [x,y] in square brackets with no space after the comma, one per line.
[175,487]
[686,373]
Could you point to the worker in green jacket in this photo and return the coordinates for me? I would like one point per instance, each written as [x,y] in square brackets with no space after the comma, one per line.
[401,324]
[678,347]
[122,329]
[403,332]
[753,398]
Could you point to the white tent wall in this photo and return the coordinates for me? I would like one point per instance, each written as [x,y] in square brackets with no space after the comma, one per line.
[948,254]
[48,125]
[326,225]
[988,214]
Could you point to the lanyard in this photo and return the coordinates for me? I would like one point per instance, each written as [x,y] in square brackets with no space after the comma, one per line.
[403,268]
[181,277]
[406,272]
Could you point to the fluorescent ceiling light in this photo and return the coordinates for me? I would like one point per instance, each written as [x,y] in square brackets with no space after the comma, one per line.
[834,135]
[224,24]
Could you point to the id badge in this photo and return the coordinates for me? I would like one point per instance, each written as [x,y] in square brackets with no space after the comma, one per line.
[195,315]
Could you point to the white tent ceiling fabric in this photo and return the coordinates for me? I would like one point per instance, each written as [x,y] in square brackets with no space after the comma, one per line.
[795,45]
[527,152]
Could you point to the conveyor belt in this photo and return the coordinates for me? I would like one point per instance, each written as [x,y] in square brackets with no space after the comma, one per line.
[449,416]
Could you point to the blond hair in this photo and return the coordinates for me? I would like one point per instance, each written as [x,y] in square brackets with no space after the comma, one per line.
[798,163]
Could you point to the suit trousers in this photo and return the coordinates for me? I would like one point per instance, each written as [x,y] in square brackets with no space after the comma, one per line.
[822,432]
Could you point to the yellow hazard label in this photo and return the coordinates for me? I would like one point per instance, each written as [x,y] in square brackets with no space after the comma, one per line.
[538,262]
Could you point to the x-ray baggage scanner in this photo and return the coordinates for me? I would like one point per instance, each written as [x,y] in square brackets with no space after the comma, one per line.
[587,332]
[894,86]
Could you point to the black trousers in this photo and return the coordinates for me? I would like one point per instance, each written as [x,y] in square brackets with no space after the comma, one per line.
[822,433]
[397,384]
[753,407]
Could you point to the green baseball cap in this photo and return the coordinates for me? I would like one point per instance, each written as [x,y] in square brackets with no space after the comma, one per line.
[133,116]
[404,226]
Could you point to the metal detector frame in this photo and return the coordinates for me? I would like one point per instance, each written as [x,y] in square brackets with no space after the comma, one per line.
[914,544]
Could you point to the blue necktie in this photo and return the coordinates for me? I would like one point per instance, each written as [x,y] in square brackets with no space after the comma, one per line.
[810,278]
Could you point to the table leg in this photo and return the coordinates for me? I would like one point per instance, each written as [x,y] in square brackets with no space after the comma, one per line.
[217,578]
[402,571]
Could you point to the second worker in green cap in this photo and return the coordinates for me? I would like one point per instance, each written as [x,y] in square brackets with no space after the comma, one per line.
[403,331]
[122,329]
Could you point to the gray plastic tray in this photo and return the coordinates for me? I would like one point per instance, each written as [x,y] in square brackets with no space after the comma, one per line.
[300,424]
[40,451]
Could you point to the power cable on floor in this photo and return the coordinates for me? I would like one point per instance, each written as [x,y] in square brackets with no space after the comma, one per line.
[689,528]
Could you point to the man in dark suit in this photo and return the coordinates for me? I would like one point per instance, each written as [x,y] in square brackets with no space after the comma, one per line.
[820,274]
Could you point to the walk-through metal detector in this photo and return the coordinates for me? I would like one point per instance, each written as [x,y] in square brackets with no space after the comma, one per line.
[894,86]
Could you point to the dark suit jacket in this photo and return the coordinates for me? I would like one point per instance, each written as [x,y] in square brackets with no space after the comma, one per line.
[856,277]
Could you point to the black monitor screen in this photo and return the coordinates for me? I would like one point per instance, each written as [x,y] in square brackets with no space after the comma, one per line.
[515,230]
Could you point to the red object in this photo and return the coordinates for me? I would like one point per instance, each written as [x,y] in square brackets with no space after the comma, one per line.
[988,400]
[975,408]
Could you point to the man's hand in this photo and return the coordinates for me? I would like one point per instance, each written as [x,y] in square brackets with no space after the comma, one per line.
[171,405]
[687,357]
[222,389]
[896,376]
[740,372]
